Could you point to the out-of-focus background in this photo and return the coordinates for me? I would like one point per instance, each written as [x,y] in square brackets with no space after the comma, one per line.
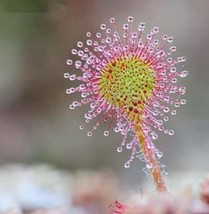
[36,125]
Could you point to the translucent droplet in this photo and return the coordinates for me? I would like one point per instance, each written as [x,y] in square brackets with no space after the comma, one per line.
[130,19]
[108,30]
[166,131]
[88,34]
[89,134]
[103,26]
[66,75]
[173,112]
[80,44]
[155,29]
[82,87]
[173,69]
[74,51]
[166,118]
[116,129]
[89,42]
[173,48]
[72,77]
[81,127]
[182,90]
[165,37]
[161,128]
[69,91]
[119,149]
[108,40]
[106,133]
[69,62]
[170,39]
[134,35]
[141,26]
[177,104]
[166,109]
[72,107]
[125,26]
[129,146]
[149,36]
[127,164]
[183,74]
[183,102]
[154,136]
[98,35]
[174,80]
[78,64]
[112,20]
[171,132]
[80,53]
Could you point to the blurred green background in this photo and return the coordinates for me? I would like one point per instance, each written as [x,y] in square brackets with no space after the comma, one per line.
[36,38]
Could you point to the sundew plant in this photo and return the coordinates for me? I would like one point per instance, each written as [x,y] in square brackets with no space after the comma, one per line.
[129,80]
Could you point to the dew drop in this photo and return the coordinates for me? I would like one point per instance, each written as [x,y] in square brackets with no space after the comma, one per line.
[80,44]
[127,164]
[88,34]
[89,42]
[119,149]
[125,26]
[66,75]
[182,90]
[177,104]
[103,26]
[81,127]
[108,40]
[183,102]
[129,146]
[68,91]
[183,74]
[154,136]
[166,118]
[89,134]
[116,129]
[165,37]
[112,20]
[72,107]
[166,131]
[78,64]
[106,133]
[74,51]
[156,29]
[173,69]
[174,80]
[170,39]
[69,62]
[72,77]
[141,26]
[173,112]
[166,109]
[130,19]
[98,35]
[171,132]
[161,128]
[173,48]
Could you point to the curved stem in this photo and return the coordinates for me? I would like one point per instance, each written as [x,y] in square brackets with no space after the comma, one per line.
[150,157]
